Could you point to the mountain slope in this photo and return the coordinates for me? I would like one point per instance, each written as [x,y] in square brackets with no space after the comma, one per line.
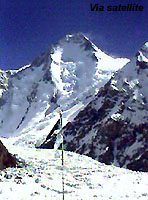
[113,128]
[68,74]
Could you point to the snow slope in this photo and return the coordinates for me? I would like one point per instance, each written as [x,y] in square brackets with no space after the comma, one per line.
[84,178]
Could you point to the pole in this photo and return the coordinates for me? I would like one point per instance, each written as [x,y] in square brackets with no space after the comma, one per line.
[62,156]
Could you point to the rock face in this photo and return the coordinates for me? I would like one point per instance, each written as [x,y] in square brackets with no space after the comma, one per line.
[6,159]
[113,128]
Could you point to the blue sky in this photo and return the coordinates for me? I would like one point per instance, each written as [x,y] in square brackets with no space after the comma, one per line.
[29,27]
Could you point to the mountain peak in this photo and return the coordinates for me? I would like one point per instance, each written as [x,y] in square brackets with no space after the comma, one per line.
[145,46]
[143,50]
[76,37]
[142,57]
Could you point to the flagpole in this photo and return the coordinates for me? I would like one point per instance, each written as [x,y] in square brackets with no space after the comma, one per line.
[62,155]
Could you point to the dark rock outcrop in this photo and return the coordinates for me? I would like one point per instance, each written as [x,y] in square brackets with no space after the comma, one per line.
[6,159]
[51,137]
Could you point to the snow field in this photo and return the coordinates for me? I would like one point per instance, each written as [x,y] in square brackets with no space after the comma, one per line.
[84,178]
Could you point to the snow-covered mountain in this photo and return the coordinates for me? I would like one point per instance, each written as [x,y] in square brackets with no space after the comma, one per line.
[67,75]
[113,127]
[105,117]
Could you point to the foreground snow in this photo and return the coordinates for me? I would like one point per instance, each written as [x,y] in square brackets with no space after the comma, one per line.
[84,178]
